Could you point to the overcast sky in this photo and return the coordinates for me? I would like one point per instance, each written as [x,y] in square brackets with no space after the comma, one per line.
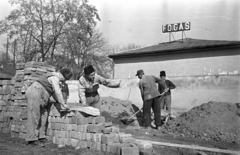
[140,21]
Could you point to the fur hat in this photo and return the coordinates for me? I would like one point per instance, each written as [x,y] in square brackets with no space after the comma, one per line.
[88,70]
[162,73]
[66,72]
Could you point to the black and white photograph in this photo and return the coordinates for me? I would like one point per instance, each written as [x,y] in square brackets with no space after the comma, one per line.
[120,77]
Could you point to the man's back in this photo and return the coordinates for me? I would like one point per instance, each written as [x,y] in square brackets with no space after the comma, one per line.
[148,86]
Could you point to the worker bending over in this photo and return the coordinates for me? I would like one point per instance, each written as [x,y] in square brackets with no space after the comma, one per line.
[150,96]
[37,96]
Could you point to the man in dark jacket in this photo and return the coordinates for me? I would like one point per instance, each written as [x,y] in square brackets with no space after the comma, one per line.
[150,96]
[165,102]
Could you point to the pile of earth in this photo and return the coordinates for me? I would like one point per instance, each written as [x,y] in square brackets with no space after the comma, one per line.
[114,109]
[210,121]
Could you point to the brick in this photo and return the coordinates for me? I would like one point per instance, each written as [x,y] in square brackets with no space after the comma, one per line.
[97,128]
[104,147]
[147,152]
[115,129]
[127,140]
[74,127]
[73,120]
[108,124]
[129,151]
[62,134]
[82,144]
[89,143]
[82,121]
[69,142]
[57,126]
[99,119]
[67,134]
[69,127]
[143,145]
[107,130]
[109,138]
[74,142]
[84,136]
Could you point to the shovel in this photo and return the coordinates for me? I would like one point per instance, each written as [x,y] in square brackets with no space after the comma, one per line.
[130,120]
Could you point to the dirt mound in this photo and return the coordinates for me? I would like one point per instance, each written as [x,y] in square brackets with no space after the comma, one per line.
[114,109]
[214,120]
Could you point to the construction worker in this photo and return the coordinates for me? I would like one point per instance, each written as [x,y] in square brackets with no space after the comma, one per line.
[150,96]
[88,87]
[165,102]
[37,96]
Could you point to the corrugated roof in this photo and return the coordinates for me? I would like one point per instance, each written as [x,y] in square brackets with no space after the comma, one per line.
[177,46]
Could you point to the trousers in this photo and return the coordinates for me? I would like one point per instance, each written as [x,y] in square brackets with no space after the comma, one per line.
[155,106]
[93,99]
[165,103]
[37,103]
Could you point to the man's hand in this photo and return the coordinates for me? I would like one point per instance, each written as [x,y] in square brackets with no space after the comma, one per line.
[64,107]
[166,90]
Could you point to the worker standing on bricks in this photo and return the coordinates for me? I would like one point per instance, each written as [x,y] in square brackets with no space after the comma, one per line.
[37,96]
[89,84]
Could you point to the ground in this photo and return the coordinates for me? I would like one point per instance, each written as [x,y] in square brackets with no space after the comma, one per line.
[17,146]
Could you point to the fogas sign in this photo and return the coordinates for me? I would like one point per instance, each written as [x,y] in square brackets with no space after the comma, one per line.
[176,27]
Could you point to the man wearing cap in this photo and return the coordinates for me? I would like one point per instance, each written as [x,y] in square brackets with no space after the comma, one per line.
[37,96]
[150,96]
[89,84]
[165,102]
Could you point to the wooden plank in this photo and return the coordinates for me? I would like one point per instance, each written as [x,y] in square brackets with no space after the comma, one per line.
[194,147]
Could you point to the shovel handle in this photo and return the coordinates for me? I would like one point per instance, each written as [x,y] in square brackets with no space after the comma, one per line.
[135,113]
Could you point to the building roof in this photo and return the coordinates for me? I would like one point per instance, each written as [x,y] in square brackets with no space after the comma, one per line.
[177,46]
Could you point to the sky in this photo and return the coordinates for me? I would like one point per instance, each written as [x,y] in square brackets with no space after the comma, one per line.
[140,21]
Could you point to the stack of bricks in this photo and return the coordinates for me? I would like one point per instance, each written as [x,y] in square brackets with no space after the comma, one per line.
[26,74]
[80,131]
[6,105]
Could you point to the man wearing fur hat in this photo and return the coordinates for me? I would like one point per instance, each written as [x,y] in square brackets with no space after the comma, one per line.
[89,84]
[37,96]
[165,102]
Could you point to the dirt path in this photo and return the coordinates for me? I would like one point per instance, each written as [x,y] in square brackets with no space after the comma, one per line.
[17,146]
[154,135]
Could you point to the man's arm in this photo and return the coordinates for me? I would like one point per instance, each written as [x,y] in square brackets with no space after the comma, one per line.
[160,81]
[57,95]
[107,82]
[171,85]
[81,92]
[141,90]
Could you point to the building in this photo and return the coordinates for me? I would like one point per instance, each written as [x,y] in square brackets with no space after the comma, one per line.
[203,70]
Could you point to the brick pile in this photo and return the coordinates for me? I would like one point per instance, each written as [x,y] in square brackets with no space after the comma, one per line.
[6,105]
[80,131]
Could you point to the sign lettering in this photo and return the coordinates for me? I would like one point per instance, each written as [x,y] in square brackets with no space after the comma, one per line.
[176,27]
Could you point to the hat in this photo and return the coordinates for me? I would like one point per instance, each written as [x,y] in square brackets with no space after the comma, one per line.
[66,72]
[162,73]
[139,72]
[88,70]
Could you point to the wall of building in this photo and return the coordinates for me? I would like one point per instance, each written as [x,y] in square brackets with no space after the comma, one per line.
[200,76]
